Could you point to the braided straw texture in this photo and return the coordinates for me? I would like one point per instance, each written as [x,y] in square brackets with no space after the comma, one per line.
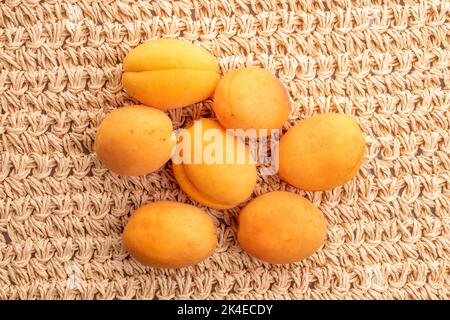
[62,212]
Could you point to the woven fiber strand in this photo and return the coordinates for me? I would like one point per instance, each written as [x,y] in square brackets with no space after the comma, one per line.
[62,212]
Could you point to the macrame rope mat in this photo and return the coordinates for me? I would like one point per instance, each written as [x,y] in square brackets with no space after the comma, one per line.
[62,212]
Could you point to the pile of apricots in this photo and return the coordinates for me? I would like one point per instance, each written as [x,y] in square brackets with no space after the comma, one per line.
[316,154]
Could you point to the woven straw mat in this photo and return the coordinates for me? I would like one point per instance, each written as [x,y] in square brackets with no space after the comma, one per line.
[62,213]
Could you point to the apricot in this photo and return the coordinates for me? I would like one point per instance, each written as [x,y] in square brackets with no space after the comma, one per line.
[251,98]
[134,140]
[321,152]
[216,178]
[281,227]
[170,73]
[168,234]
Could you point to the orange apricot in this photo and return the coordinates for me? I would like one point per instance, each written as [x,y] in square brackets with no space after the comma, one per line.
[170,73]
[321,152]
[281,227]
[168,234]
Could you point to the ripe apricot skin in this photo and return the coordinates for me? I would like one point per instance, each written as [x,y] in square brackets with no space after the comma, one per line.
[217,185]
[281,227]
[170,73]
[321,152]
[134,140]
[168,234]
[251,98]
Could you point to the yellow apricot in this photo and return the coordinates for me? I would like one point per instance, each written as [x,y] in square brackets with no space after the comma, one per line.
[222,183]
[134,140]
[170,73]
[168,234]
[281,227]
[251,98]
[321,152]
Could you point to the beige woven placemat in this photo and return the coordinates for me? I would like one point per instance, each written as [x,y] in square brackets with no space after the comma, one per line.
[62,213]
